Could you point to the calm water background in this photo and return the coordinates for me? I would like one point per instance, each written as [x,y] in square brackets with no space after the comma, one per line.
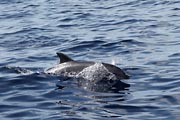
[141,36]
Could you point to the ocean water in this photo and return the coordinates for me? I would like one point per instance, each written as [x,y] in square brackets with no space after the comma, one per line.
[142,37]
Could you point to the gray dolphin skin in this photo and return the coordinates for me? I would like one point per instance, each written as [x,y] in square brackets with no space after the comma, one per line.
[68,65]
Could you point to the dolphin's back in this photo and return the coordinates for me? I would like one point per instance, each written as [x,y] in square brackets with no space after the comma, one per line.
[69,67]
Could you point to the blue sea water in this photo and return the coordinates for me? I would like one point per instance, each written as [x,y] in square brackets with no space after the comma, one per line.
[141,36]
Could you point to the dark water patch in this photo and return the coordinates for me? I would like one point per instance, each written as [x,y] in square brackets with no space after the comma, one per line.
[159,63]
[175,55]
[72,118]
[52,105]
[68,25]
[121,44]
[127,3]
[85,45]
[16,15]
[165,63]
[68,19]
[35,58]
[138,3]
[29,31]
[97,42]
[31,6]
[51,94]
[131,21]
[114,44]
[176,9]
[133,42]
[113,24]
[76,48]
[22,113]
[30,82]
[129,108]
[11,1]
[23,98]
[170,99]
[6,107]
[113,97]
[29,38]
[165,83]
[174,2]
[82,15]
[66,11]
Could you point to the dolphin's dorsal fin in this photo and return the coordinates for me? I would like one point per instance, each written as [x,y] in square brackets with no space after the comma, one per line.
[63,57]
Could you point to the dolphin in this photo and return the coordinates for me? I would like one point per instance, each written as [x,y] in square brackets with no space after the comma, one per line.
[68,66]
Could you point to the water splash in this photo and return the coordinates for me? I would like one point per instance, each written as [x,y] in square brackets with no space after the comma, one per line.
[113,62]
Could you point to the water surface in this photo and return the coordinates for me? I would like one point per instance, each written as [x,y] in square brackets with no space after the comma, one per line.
[141,37]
